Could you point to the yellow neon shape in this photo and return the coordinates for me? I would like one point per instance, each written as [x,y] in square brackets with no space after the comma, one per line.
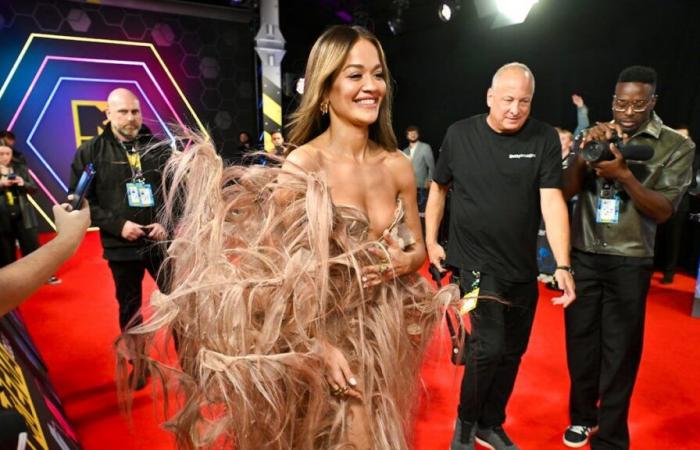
[41,211]
[101,105]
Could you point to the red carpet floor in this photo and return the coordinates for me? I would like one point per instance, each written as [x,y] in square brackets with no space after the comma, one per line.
[75,324]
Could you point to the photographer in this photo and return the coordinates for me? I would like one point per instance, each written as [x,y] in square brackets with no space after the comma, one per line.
[613,227]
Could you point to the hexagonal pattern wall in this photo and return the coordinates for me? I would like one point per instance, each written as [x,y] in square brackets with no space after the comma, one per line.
[204,55]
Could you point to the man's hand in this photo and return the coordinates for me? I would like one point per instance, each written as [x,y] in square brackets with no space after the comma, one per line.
[132,231]
[436,255]
[19,181]
[156,232]
[71,225]
[603,131]
[565,281]
[615,169]
[578,101]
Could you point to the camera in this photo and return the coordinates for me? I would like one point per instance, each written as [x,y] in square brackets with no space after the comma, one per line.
[597,151]
[11,176]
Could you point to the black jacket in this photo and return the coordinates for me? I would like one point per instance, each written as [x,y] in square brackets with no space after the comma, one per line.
[109,206]
[20,193]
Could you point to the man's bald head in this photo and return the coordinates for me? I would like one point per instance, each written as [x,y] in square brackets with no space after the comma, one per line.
[124,114]
[120,95]
[513,70]
[509,98]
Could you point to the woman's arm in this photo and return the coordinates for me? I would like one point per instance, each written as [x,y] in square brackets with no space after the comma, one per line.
[410,259]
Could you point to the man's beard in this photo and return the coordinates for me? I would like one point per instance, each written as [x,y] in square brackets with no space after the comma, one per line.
[129,134]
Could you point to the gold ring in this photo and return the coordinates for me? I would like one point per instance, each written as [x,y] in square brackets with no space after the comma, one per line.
[383,267]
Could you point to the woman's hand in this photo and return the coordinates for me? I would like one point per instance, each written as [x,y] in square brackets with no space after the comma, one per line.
[338,374]
[399,263]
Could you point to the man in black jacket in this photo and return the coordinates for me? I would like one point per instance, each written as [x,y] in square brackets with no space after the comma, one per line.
[124,199]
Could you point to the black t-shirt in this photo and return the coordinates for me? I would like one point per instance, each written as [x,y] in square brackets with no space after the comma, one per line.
[495,208]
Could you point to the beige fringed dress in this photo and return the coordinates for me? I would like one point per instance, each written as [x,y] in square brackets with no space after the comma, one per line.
[262,268]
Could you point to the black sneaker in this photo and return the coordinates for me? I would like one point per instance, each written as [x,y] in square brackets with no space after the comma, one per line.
[577,435]
[495,438]
[463,439]
[667,278]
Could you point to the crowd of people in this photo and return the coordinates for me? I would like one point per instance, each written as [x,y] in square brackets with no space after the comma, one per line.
[291,288]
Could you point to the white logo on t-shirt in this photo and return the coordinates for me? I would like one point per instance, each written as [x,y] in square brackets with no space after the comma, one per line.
[521,155]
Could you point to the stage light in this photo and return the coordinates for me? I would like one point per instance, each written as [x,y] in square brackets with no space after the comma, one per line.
[448,9]
[395,24]
[515,11]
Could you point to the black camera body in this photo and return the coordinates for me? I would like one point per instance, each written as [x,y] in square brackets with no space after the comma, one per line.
[11,176]
[596,151]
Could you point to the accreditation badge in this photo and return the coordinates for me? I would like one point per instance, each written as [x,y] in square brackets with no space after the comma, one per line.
[140,195]
[608,210]
[471,298]
[146,194]
[132,195]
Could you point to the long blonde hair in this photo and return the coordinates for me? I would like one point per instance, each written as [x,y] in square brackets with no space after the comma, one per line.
[325,63]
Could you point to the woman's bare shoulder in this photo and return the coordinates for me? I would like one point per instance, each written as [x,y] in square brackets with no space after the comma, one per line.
[399,166]
[305,157]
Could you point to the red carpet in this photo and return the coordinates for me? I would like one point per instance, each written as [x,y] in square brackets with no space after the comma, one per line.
[75,324]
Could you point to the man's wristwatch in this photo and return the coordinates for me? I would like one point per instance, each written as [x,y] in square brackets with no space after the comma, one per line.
[567,268]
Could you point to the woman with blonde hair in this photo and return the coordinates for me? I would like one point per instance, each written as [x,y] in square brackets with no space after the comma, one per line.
[301,322]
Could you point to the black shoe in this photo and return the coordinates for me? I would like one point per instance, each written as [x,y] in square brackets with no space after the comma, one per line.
[495,438]
[667,278]
[140,382]
[577,435]
[463,439]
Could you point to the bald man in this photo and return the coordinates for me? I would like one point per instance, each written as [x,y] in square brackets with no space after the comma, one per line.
[124,199]
[504,168]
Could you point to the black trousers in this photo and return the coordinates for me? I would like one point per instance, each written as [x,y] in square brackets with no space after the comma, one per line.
[499,338]
[128,278]
[604,334]
[28,239]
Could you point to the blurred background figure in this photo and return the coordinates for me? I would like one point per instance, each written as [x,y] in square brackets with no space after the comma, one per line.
[421,156]
[582,121]
[18,222]
[278,142]
[9,138]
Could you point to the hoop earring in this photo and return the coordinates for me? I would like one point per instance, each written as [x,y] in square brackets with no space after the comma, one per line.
[324,108]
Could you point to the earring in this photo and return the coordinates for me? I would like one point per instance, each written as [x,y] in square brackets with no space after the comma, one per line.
[324,107]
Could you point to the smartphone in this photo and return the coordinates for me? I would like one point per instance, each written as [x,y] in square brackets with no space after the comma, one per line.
[11,176]
[83,185]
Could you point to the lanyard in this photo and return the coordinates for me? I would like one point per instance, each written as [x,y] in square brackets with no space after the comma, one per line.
[134,159]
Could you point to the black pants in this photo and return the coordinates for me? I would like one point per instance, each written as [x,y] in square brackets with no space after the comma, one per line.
[128,277]
[668,242]
[28,239]
[500,333]
[604,334]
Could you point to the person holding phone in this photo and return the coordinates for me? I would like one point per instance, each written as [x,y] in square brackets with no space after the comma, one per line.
[124,199]
[18,221]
